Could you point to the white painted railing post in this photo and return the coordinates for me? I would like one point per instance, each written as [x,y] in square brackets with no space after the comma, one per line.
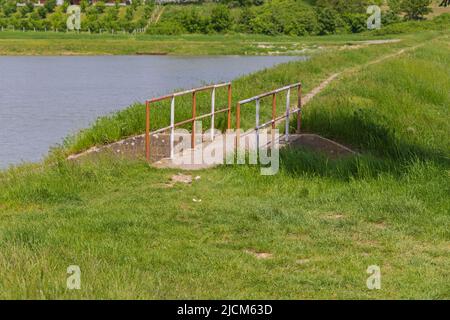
[213,102]
[257,124]
[288,111]
[172,126]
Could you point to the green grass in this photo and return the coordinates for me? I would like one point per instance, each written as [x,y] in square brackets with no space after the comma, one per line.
[130,121]
[324,221]
[53,43]
[61,43]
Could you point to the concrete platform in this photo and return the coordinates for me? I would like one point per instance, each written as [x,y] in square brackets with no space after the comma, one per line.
[206,154]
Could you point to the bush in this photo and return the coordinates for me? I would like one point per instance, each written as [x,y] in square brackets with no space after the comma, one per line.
[50,5]
[284,17]
[415,9]
[221,19]
[347,6]
[356,22]
[58,20]
[169,27]
[246,16]
[327,20]
[389,17]
[9,8]
[193,22]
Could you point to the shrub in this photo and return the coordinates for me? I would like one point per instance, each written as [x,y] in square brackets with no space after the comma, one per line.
[284,17]
[356,22]
[50,5]
[246,16]
[327,20]
[9,8]
[221,19]
[347,6]
[389,17]
[193,22]
[58,19]
[169,27]
[415,9]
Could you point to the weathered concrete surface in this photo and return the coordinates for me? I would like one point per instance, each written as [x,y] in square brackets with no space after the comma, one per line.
[132,148]
[198,158]
[313,142]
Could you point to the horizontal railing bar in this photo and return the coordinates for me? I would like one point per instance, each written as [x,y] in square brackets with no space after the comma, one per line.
[177,94]
[161,130]
[282,117]
[188,121]
[183,122]
[269,93]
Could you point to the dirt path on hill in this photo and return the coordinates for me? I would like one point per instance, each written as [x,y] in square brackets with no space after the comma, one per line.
[325,83]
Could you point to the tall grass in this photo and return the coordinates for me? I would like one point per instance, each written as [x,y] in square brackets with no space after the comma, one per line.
[135,235]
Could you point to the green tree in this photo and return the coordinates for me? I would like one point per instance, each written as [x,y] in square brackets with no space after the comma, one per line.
[129,13]
[221,18]
[84,4]
[9,8]
[58,20]
[356,22]
[193,22]
[395,6]
[100,7]
[415,9]
[328,20]
[42,12]
[347,6]
[247,15]
[50,5]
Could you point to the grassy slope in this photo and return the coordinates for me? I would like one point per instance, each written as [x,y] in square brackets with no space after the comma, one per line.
[324,221]
[129,121]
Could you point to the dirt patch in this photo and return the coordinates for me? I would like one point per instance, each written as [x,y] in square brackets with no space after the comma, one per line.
[363,44]
[259,255]
[379,225]
[182,178]
[302,261]
[335,216]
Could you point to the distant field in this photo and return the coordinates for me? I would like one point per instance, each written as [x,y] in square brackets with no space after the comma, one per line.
[59,43]
[53,43]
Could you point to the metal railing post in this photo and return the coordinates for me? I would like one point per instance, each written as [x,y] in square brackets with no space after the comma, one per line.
[238,125]
[274,115]
[192,120]
[299,113]
[213,101]
[229,107]
[274,109]
[147,130]
[194,112]
[172,126]
[257,123]
[288,114]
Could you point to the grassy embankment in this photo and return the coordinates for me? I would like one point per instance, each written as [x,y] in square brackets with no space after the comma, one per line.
[324,222]
[48,43]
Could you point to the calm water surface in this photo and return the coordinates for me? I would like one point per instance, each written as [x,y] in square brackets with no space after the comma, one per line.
[43,99]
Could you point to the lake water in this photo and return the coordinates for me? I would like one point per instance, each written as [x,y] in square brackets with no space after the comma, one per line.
[43,99]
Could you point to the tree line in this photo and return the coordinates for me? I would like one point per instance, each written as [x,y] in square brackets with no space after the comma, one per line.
[276,17]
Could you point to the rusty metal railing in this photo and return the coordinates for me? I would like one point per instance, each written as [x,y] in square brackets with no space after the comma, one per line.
[192,120]
[286,116]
